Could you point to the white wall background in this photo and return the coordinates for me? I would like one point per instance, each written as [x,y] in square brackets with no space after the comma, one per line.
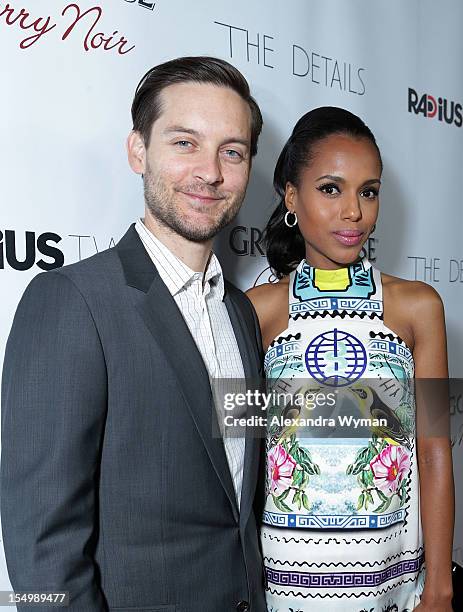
[65,116]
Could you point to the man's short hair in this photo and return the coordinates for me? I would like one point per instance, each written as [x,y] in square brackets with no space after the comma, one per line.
[146,105]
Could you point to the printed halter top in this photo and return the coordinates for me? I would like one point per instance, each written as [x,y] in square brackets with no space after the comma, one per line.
[341,525]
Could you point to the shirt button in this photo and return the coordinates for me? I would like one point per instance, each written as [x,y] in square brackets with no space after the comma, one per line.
[242,606]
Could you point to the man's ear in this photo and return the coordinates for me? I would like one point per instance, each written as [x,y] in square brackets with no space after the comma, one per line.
[136,152]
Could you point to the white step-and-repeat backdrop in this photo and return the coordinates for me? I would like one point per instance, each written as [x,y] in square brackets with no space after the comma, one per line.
[69,70]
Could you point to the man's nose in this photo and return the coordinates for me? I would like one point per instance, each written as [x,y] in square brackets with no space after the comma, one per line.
[208,168]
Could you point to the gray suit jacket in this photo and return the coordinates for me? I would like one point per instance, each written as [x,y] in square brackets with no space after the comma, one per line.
[113,487]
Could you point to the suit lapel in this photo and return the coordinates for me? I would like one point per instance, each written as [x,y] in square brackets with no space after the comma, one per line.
[249,355]
[167,326]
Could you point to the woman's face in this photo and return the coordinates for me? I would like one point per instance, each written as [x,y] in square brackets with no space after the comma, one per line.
[337,200]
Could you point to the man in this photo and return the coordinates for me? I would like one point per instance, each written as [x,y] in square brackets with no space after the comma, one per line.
[113,487]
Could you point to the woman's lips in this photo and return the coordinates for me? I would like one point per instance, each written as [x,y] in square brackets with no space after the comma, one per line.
[348,237]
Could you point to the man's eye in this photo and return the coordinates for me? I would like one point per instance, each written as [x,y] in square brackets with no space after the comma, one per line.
[183,143]
[233,153]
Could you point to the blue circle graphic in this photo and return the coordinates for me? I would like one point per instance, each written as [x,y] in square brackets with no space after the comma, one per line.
[336,358]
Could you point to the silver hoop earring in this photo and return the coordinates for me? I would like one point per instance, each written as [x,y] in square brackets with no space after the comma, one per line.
[294,223]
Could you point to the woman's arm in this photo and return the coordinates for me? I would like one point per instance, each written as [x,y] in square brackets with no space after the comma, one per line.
[433,447]
[270,302]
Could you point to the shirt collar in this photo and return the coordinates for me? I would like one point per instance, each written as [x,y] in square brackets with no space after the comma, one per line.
[173,271]
[214,276]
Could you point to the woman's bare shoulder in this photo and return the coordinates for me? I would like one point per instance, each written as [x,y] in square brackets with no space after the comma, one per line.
[412,293]
[270,301]
[266,295]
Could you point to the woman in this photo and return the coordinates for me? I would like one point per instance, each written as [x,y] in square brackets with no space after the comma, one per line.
[344,521]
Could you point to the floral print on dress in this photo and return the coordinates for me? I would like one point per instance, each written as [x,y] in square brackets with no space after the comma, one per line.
[389,468]
[382,469]
[280,470]
[289,467]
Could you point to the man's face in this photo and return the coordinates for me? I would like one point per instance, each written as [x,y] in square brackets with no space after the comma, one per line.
[197,163]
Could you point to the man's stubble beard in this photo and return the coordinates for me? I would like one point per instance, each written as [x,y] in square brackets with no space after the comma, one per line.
[161,205]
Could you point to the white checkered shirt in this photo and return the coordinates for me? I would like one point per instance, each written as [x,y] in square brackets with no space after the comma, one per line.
[205,313]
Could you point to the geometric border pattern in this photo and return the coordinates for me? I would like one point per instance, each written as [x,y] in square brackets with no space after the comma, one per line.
[333,521]
[356,305]
[348,579]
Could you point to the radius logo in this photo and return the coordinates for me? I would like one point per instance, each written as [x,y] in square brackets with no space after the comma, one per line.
[434,107]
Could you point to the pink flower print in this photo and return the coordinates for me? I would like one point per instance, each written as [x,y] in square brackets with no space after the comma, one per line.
[389,468]
[280,467]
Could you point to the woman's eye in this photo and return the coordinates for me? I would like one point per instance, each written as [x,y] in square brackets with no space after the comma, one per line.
[370,194]
[329,189]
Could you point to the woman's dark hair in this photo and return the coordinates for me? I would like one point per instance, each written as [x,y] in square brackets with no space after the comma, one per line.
[285,245]
[147,103]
